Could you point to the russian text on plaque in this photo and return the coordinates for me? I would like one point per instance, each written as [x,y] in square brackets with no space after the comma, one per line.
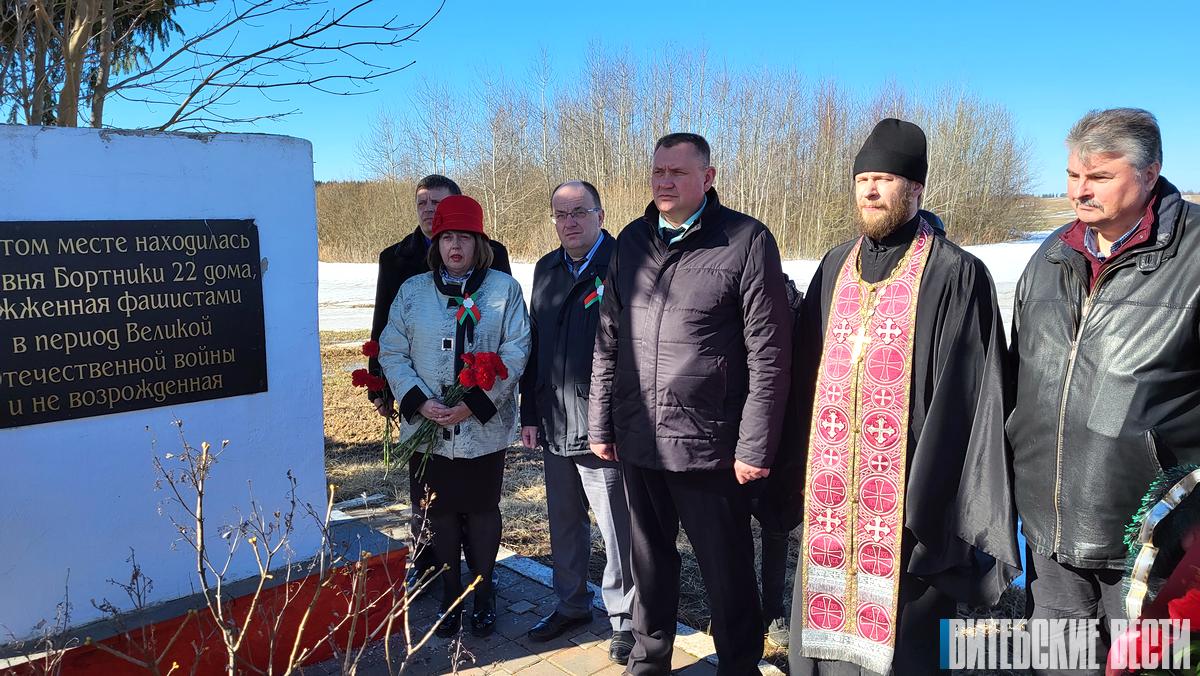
[101,317]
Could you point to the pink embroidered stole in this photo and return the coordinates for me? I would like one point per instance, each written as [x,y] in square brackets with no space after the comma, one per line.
[857,453]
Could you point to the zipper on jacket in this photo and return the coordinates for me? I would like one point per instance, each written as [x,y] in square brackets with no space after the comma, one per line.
[1062,407]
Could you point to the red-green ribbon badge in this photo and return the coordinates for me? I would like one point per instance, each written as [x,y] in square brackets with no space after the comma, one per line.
[467,308]
[595,296]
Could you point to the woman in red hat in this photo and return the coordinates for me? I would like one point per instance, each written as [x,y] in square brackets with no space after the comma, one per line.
[460,306]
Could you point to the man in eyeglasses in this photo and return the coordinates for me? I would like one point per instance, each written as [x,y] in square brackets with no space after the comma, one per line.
[568,284]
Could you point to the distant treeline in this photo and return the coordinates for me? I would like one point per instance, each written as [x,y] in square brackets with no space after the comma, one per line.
[783,147]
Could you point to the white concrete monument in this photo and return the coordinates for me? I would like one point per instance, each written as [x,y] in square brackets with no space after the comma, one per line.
[131,294]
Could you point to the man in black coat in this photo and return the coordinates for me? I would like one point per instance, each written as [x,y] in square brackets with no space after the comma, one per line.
[689,380]
[907,502]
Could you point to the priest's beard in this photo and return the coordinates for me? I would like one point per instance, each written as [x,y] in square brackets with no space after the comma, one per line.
[880,225]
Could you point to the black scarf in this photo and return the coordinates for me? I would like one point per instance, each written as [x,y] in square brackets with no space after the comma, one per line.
[464,332]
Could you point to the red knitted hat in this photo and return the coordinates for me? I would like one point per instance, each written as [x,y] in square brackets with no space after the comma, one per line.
[458,212]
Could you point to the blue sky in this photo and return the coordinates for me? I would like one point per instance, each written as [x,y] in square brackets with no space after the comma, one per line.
[1047,62]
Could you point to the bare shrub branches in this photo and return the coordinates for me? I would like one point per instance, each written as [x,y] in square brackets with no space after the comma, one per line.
[340,598]
[285,595]
[783,146]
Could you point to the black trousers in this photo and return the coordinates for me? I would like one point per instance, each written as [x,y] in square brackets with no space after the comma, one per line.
[773,567]
[715,512]
[1055,590]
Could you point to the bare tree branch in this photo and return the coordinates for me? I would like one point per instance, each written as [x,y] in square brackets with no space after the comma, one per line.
[72,55]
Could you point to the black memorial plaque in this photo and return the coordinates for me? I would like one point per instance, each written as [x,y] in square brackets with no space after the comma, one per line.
[100,317]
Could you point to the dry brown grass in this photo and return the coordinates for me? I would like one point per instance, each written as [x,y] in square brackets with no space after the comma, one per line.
[1046,213]
[352,437]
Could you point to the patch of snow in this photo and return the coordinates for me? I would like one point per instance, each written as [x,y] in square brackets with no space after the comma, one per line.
[346,294]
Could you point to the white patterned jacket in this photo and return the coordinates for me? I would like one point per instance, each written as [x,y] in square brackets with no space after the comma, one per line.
[417,353]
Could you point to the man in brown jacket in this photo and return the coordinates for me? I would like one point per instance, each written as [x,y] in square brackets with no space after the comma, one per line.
[689,380]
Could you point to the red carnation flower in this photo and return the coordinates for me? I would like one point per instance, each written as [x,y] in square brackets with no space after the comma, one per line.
[466,377]
[370,348]
[1186,607]
[359,377]
[486,379]
[481,370]
[376,383]
[492,362]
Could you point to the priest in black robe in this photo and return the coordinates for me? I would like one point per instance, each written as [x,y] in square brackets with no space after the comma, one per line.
[958,539]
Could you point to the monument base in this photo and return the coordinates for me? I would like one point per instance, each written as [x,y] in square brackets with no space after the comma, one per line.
[184,632]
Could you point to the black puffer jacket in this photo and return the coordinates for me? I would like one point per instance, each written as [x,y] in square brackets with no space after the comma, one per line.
[1108,384]
[554,389]
[780,506]
[397,263]
[693,352]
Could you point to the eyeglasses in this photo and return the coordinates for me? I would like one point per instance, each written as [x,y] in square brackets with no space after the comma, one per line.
[576,214]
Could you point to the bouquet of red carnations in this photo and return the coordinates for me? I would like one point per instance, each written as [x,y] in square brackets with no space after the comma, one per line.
[374,383]
[480,370]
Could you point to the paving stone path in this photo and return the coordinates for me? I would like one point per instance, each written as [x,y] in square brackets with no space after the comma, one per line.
[523,597]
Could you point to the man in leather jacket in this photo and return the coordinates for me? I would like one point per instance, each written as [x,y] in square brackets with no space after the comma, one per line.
[1107,358]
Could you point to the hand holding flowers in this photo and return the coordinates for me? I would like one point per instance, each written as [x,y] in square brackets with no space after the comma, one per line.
[480,370]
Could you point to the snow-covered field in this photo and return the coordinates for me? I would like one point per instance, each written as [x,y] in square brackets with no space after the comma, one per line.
[347,290]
